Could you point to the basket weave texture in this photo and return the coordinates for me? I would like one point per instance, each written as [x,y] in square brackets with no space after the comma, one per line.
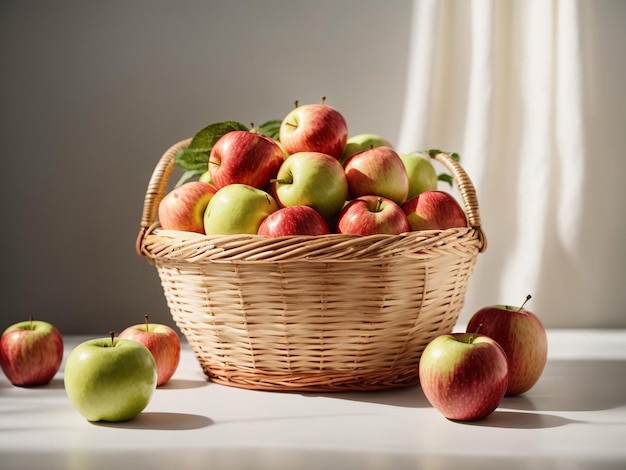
[329,313]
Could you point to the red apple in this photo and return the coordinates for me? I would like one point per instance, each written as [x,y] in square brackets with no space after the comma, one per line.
[434,210]
[294,220]
[244,157]
[162,341]
[370,215]
[463,375]
[183,207]
[314,128]
[523,338]
[378,171]
[31,352]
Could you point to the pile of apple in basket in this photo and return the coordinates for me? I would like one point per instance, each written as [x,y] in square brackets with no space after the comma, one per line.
[304,176]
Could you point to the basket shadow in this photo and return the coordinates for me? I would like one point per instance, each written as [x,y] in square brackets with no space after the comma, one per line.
[408,397]
[161,422]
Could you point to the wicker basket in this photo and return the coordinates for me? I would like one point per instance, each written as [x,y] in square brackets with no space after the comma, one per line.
[329,313]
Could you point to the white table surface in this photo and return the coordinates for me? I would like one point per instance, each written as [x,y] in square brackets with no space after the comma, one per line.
[573,418]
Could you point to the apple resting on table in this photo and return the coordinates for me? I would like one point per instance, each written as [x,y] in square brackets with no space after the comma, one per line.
[31,352]
[523,338]
[110,379]
[463,375]
[162,341]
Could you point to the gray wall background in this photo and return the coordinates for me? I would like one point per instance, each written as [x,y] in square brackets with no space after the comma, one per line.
[92,93]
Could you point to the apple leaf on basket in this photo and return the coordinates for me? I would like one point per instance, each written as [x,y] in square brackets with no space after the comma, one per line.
[194,159]
[445,177]
[270,129]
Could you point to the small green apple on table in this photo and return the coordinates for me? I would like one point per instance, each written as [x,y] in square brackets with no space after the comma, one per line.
[110,379]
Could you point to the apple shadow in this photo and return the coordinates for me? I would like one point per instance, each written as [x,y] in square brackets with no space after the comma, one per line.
[519,420]
[180,384]
[575,385]
[56,383]
[161,422]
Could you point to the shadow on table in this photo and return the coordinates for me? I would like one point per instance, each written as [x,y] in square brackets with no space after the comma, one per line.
[575,385]
[565,385]
[180,384]
[161,421]
[520,420]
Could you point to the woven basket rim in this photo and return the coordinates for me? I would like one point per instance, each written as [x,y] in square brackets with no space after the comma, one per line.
[158,243]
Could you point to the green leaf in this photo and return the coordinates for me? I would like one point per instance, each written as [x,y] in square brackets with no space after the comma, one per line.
[206,137]
[190,159]
[187,176]
[270,129]
[195,157]
[446,178]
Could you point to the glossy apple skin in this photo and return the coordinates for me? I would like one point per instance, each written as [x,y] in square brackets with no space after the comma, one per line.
[183,207]
[294,220]
[371,215]
[378,171]
[360,142]
[312,179]
[464,380]
[434,210]
[106,382]
[421,173]
[164,344]
[244,157]
[314,128]
[523,338]
[237,209]
[31,352]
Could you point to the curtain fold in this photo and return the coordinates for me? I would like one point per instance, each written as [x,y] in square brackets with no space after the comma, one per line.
[503,84]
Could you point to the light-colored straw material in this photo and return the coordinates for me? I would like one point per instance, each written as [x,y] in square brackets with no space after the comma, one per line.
[328,313]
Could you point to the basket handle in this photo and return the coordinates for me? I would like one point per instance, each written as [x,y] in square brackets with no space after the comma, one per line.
[467,191]
[161,174]
[156,190]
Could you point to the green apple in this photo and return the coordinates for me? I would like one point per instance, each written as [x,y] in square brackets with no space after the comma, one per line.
[358,143]
[312,179]
[421,172]
[237,208]
[206,177]
[110,379]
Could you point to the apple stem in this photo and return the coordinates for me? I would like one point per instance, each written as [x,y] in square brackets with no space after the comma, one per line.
[528,297]
[112,335]
[211,162]
[471,338]
[380,203]
[30,319]
[296,104]
[145,317]
[323,99]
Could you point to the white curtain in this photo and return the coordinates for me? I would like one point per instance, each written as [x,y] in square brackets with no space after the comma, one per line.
[509,85]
